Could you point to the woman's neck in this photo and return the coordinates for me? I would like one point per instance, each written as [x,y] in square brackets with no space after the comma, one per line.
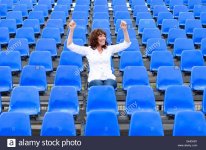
[100,49]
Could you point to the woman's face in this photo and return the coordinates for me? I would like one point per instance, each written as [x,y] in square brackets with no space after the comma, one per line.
[101,40]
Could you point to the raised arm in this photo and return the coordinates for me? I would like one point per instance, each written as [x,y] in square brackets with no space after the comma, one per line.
[123,26]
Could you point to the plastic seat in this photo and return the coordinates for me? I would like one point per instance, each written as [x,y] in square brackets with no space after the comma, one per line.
[80,33]
[33,23]
[56,23]
[163,15]
[28,3]
[34,76]
[178,9]
[37,15]
[101,15]
[11,59]
[167,76]
[203,18]
[100,8]
[192,3]
[121,15]
[17,15]
[9,3]
[172,3]
[203,46]
[59,15]
[149,33]
[10,24]
[52,33]
[15,124]
[3,10]
[156,2]
[5,79]
[155,44]
[191,58]
[100,23]
[22,8]
[139,8]
[80,15]
[139,2]
[151,126]
[142,15]
[46,2]
[82,8]
[191,24]
[26,32]
[183,16]
[118,22]
[146,23]
[159,8]
[65,2]
[189,124]
[198,35]
[119,8]
[120,35]
[68,76]
[58,124]
[133,47]
[168,24]
[4,36]
[102,123]
[100,2]
[135,59]
[64,99]
[134,75]
[198,9]
[43,8]
[178,98]
[174,34]
[140,98]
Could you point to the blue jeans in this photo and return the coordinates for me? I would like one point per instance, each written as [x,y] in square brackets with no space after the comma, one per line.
[103,82]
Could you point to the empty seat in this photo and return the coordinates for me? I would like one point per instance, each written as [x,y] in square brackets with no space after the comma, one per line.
[10,24]
[168,24]
[203,46]
[34,76]
[198,35]
[64,2]
[56,23]
[5,79]
[25,100]
[146,124]
[155,44]
[156,2]
[101,15]
[34,23]
[3,10]
[146,23]
[139,8]
[159,8]
[17,15]
[15,124]
[43,8]
[58,124]
[80,33]
[28,3]
[135,75]
[100,8]
[203,18]
[68,76]
[52,33]
[4,36]
[178,98]
[175,33]
[189,124]
[133,47]
[46,2]
[179,8]
[183,16]
[149,33]
[163,15]
[37,15]
[26,32]
[100,2]
[102,123]
[80,15]
[59,15]
[100,23]
[191,58]
[191,24]
[22,8]
[143,15]
[192,3]
[167,76]
[198,9]
[61,8]
[9,3]
[121,15]
[120,35]
[172,3]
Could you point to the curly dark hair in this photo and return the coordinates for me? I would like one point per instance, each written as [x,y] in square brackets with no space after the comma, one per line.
[93,38]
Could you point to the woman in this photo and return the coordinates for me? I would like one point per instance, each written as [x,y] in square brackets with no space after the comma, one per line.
[99,54]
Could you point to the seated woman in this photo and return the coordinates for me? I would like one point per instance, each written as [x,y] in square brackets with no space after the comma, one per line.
[99,54]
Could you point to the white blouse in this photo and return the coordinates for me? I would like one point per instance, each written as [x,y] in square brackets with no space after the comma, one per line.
[100,64]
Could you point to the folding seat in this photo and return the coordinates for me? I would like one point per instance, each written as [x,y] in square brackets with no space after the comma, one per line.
[25,100]
[100,8]
[182,44]
[38,58]
[68,76]
[133,47]
[191,58]
[174,34]
[52,33]
[119,8]
[120,35]
[33,23]
[64,3]
[139,8]
[80,23]
[199,9]
[159,8]
[15,124]
[118,22]
[64,99]
[183,16]
[167,24]
[189,123]
[3,10]
[139,98]
[100,23]
[203,46]
[118,2]
[185,2]
[17,15]
[100,2]
[82,8]
[146,23]
[172,3]
[142,15]
[37,15]
[163,15]
[192,3]
[22,8]
[79,33]
[135,75]
[168,76]
[155,3]
[139,2]
[101,15]
[28,3]
[4,36]
[198,35]
[9,3]
[46,2]
[47,44]
[203,18]
[102,123]
[26,32]
[59,15]
[161,58]
[101,98]
[11,59]
[121,15]
[43,8]
[151,126]
[155,44]
[80,15]
[83,2]
[198,80]
[149,33]
[19,44]
[5,79]
[34,76]
[56,23]
[191,24]
[178,9]
[58,124]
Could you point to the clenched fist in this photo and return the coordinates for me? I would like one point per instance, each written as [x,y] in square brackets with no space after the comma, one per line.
[72,25]
[123,25]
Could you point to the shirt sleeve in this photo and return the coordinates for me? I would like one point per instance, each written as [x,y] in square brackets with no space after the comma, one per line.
[82,50]
[119,47]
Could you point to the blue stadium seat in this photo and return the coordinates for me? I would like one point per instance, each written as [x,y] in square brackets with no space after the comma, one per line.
[28,3]
[139,8]
[155,44]
[139,2]
[11,59]
[61,8]
[134,75]
[100,2]
[64,2]
[25,100]
[135,59]
[192,3]
[80,33]
[174,34]
[146,124]
[4,36]
[139,98]
[3,10]
[183,16]
[37,15]
[199,9]
[203,1]
[179,8]
[100,23]
[159,8]
[182,44]
[82,8]
[43,8]
[34,23]
[83,2]
[178,98]
[190,123]
[119,8]
[47,44]
[26,32]
[46,2]
[198,79]
[143,15]
[68,76]
[58,124]
[153,3]
[172,3]
[168,24]
[167,76]
[203,18]
[9,3]
[118,22]
[81,23]
[59,15]
[101,15]
[63,99]
[161,58]
[44,58]
[15,124]
[149,33]
[191,58]
[80,15]
[22,8]
[133,47]
[5,79]
[100,8]
[163,15]
[56,23]
[203,46]
[34,76]
[101,98]
[69,58]
[121,15]
[120,35]
[198,35]
[191,24]
[52,33]
[17,15]
[102,123]
[146,23]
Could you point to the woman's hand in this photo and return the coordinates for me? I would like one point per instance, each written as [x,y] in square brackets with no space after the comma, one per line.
[123,25]
[72,25]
